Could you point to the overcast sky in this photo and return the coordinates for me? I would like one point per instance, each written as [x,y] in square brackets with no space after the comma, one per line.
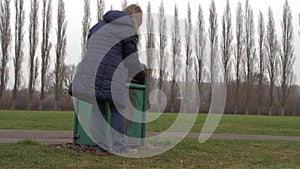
[74,14]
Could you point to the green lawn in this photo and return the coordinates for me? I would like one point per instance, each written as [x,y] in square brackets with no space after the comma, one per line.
[36,120]
[239,124]
[233,124]
[188,154]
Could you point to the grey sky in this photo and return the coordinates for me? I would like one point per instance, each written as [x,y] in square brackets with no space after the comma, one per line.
[74,14]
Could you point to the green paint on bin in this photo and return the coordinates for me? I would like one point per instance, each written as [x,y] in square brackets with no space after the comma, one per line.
[82,117]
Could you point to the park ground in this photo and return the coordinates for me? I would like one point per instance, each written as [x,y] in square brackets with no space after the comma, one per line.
[228,152]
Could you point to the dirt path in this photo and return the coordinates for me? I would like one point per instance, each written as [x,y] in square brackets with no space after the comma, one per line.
[60,137]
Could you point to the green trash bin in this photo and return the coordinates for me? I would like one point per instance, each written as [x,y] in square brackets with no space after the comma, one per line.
[133,129]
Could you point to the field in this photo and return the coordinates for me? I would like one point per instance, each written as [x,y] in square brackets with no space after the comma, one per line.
[230,124]
[188,154]
[215,153]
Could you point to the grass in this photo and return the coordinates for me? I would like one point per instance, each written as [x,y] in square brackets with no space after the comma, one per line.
[230,124]
[238,124]
[188,154]
[36,120]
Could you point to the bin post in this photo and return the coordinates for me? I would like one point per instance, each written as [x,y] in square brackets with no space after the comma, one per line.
[76,135]
[145,107]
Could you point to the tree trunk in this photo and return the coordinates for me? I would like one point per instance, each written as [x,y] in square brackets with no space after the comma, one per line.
[173,97]
[13,105]
[29,105]
[40,105]
[248,99]
[259,110]
[237,91]
[282,111]
[55,107]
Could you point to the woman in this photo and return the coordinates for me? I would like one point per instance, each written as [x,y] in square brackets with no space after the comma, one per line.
[110,81]
[110,59]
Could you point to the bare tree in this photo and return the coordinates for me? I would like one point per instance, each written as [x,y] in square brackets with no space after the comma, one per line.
[250,51]
[150,45]
[286,54]
[19,44]
[271,45]
[68,74]
[213,38]
[124,4]
[70,71]
[200,45]
[33,42]
[162,28]
[86,23]
[5,40]
[60,52]
[176,50]
[261,39]
[100,7]
[239,52]
[46,47]
[188,47]
[226,41]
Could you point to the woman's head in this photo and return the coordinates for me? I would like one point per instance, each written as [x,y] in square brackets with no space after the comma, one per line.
[136,14]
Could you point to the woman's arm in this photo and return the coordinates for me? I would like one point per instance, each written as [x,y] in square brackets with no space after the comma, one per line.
[130,57]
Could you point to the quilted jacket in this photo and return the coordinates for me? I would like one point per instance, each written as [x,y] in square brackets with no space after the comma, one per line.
[111,58]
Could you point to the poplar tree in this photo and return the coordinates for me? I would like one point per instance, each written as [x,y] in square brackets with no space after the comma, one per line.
[100,9]
[86,23]
[124,4]
[262,55]
[33,43]
[45,47]
[5,41]
[226,41]
[176,51]
[249,51]
[19,44]
[287,55]
[61,44]
[150,45]
[271,45]
[188,48]
[238,53]
[162,28]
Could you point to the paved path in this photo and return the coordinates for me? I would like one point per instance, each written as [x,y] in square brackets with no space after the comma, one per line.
[53,137]
[7,136]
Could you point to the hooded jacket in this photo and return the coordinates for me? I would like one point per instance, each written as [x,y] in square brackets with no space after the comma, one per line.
[111,58]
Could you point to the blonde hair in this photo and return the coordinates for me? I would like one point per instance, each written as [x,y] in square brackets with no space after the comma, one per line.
[136,15]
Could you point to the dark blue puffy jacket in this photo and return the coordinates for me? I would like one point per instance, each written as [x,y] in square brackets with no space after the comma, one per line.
[111,58]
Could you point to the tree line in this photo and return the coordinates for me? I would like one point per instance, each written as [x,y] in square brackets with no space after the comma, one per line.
[51,83]
[258,71]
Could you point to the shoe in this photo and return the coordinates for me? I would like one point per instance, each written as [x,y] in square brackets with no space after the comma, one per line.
[100,150]
[128,151]
[133,151]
